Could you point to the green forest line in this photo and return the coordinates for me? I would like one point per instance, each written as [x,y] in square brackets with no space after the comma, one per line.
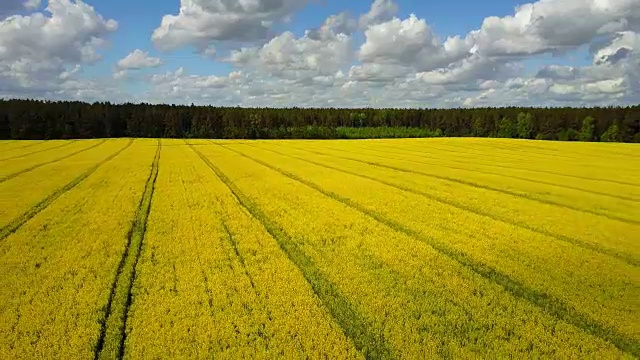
[31,119]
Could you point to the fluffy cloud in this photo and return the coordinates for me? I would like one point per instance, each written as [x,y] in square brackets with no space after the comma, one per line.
[139,59]
[41,51]
[614,73]
[203,22]
[322,51]
[136,60]
[400,62]
[261,90]
[178,83]
[73,32]
[335,24]
[474,69]
[411,43]
[485,62]
[235,88]
[608,87]
[555,26]
[381,11]
[377,73]
[622,47]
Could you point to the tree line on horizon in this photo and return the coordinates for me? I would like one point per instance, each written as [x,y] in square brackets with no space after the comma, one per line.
[34,119]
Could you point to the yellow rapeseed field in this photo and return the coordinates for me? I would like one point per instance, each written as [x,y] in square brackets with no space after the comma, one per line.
[381,249]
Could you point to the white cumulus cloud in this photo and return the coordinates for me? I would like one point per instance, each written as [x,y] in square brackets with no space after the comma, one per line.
[203,22]
[42,50]
[379,58]
[381,11]
[322,51]
[412,43]
[555,26]
[139,59]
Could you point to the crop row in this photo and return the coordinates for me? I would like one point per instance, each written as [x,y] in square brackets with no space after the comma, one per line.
[312,249]
[595,230]
[58,267]
[510,250]
[27,190]
[415,297]
[212,282]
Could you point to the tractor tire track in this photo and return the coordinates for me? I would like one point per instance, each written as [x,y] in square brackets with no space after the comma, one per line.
[350,321]
[601,155]
[15,224]
[547,303]
[67,143]
[577,242]
[234,245]
[111,341]
[416,152]
[466,153]
[26,146]
[613,196]
[485,187]
[11,176]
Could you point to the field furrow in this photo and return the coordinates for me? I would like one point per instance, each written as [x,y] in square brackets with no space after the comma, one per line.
[614,209]
[18,167]
[112,334]
[599,233]
[395,181]
[319,249]
[596,187]
[58,268]
[579,150]
[23,196]
[16,223]
[387,269]
[237,295]
[46,146]
[8,146]
[499,252]
[482,153]
[352,323]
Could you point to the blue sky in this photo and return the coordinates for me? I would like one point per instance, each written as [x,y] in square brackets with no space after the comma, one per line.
[359,53]
[138,19]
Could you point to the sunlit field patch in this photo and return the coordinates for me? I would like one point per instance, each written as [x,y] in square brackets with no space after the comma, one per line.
[145,248]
